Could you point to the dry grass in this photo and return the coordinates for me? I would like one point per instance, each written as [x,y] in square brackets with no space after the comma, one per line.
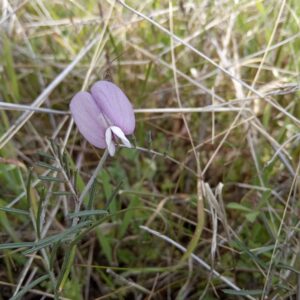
[206,205]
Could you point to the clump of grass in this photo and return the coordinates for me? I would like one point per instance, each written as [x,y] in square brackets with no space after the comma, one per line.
[205,206]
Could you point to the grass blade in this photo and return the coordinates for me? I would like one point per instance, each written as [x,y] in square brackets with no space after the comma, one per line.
[29,287]
[15,210]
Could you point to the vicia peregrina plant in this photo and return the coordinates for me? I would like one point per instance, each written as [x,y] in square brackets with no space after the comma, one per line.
[104,115]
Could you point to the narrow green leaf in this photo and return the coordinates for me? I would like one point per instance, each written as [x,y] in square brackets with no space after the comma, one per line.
[264,250]
[38,217]
[66,267]
[57,237]
[85,213]
[66,165]
[128,217]
[47,166]
[107,189]
[7,224]
[49,178]
[106,244]
[12,79]
[29,287]
[114,194]
[15,210]
[15,245]
[242,292]
[46,155]
[283,266]
[92,195]
[53,255]
[28,188]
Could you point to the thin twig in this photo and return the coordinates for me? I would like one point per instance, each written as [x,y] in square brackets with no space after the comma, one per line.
[208,108]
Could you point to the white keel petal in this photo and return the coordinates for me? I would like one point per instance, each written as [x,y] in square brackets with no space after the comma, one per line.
[109,142]
[120,134]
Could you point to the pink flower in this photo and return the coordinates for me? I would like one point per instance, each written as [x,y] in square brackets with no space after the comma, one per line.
[103,116]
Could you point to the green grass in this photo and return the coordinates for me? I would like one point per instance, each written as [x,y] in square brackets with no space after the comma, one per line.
[206,205]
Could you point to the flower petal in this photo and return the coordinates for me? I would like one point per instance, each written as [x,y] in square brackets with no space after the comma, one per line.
[87,116]
[114,104]
[120,134]
[109,142]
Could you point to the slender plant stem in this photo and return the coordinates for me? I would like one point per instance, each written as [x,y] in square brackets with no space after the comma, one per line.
[89,184]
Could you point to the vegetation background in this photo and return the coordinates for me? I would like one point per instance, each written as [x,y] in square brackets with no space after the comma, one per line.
[206,206]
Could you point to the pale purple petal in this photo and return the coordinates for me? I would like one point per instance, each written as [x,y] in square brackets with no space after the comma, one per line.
[115,105]
[87,116]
